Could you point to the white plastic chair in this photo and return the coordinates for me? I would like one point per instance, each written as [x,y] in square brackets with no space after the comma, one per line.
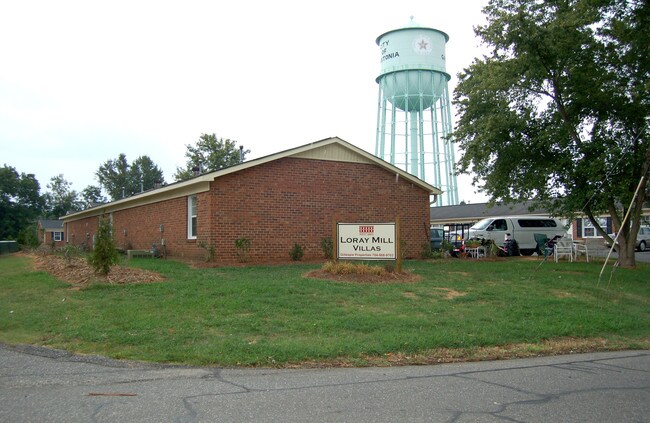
[563,248]
[580,248]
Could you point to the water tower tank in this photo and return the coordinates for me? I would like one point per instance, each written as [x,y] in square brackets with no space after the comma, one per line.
[413,116]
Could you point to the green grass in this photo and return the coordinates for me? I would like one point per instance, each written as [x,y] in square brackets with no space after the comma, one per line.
[272,315]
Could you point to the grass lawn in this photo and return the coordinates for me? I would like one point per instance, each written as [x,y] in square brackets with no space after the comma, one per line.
[273,316]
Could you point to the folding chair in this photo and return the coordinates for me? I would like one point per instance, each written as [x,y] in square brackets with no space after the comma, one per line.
[543,247]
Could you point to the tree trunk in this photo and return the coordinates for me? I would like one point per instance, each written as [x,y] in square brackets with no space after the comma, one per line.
[626,249]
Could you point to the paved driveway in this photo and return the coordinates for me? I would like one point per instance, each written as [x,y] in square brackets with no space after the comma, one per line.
[40,385]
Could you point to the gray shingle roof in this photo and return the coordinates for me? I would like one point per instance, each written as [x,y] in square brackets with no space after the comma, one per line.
[50,224]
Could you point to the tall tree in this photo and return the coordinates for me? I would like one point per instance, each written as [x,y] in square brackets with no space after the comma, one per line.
[558,111]
[91,196]
[210,154]
[60,199]
[119,179]
[146,172]
[20,202]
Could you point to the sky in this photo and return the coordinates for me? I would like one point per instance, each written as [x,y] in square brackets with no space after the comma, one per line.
[83,81]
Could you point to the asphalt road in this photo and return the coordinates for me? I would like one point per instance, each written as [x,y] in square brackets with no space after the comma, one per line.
[41,385]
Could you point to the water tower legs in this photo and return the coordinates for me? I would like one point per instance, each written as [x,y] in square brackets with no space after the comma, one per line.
[416,142]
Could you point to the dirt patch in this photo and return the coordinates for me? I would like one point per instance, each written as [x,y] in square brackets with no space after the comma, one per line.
[78,272]
[459,273]
[449,294]
[390,277]
[562,294]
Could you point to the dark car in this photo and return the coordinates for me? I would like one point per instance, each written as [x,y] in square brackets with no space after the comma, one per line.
[437,235]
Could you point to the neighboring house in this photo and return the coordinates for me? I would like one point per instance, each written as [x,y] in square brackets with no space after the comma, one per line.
[291,197]
[50,232]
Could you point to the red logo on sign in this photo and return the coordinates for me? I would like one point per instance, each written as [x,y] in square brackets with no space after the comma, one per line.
[366,230]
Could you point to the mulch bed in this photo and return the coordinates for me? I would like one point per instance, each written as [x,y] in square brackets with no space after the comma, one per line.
[78,272]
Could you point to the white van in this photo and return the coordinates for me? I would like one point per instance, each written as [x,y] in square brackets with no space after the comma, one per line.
[519,228]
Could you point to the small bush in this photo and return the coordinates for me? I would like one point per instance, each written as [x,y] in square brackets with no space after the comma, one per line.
[243,246]
[210,250]
[296,252]
[104,255]
[327,246]
[426,252]
[69,253]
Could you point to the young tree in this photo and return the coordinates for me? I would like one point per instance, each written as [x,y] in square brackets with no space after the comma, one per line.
[119,179]
[20,202]
[558,111]
[210,154]
[60,199]
[104,253]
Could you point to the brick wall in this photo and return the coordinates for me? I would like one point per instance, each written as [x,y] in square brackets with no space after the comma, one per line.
[80,232]
[295,200]
[275,205]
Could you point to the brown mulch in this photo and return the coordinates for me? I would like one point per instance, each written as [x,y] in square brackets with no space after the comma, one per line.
[389,277]
[78,272]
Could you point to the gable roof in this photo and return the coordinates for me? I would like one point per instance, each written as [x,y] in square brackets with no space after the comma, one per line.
[50,224]
[334,149]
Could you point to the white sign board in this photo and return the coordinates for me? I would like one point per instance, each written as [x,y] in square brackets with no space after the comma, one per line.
[366,241]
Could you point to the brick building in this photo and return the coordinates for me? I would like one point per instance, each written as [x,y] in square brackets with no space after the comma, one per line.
[50,232]
[274,201]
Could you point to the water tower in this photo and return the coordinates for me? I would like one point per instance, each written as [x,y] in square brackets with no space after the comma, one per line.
[414,111]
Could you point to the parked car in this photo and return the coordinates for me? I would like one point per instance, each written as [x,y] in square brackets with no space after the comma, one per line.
[519,230]
[642,238]
[436,238]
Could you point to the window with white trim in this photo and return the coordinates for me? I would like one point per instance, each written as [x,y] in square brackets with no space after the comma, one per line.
[191,217]
[57,236]
[588,229]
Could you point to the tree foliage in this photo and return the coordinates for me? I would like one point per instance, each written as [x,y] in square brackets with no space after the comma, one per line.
[210,154]
[121,179]
[557,112]
[91,196]
[20,202]
[61,199]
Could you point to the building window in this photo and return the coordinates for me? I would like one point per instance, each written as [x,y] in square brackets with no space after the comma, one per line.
[191,217]
[588,229]
[57,236]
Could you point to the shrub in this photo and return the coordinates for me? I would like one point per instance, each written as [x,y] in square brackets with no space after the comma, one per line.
[104,255]
[69,253]
[327,246]
[28,236]
[296,252]
[210,250]
[426,252]
[243,246]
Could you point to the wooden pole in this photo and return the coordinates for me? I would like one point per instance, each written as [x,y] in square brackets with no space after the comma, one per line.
[335,241]
[398,245]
